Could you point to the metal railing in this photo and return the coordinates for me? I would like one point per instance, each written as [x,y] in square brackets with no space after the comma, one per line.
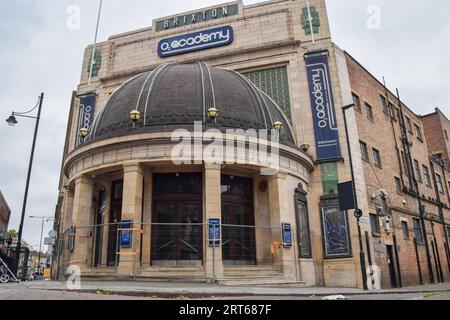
[147,245]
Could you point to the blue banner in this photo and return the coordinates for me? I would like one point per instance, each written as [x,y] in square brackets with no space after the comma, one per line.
[328,147]
[214,232]
[125,233]
[86,115]
[287,235]
[196,41]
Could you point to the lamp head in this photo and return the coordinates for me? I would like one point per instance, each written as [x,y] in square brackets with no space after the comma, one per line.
[213,113]
[84,132]
[12,121]
[135,116]
[278,125]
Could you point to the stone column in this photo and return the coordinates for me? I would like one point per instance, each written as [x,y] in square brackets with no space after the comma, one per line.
[133,182]
[213,209]
[284,258]
[147,228]
[82,220]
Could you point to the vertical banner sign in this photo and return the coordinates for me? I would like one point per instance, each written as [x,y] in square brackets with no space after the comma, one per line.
[86,115]
[125,233]
[322,103]
[214,232]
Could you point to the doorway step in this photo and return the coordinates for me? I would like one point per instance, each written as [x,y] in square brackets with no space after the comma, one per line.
[172,274]
[256,275]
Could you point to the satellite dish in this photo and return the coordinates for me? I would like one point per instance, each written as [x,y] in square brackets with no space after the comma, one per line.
[53,234]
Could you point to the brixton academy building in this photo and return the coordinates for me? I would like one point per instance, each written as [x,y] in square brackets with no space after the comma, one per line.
[214,146]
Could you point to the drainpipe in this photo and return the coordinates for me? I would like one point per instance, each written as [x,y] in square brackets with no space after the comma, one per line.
[441,213]
[416,193]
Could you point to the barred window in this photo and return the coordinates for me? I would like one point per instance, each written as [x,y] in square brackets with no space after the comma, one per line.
[275,83]
[418,231]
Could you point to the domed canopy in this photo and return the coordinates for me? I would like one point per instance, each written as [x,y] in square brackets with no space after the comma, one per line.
[173,96]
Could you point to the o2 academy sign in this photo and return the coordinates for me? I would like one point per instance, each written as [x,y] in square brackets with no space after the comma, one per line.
[197,17]
[196,41]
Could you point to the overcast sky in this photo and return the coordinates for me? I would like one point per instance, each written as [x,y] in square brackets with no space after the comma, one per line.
[38,52]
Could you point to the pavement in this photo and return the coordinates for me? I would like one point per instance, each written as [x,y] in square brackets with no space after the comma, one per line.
[175,290]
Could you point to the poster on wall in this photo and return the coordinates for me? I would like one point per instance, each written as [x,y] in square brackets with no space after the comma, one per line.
[335,231]
[86,115]
[326,132]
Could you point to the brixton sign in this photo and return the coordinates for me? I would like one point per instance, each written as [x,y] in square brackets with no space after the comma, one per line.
[197,17]
[195,41]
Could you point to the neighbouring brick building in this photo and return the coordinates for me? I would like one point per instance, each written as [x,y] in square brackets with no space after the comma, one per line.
[127,210]
[5,213]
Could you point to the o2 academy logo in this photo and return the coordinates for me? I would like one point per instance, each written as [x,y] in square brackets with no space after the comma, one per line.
[196,41]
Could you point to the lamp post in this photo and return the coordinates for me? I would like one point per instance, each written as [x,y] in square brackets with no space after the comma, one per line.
[44,219]
[358,212]
[12,120]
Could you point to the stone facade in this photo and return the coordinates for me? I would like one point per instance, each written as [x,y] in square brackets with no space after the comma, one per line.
[271,34]
[5,213]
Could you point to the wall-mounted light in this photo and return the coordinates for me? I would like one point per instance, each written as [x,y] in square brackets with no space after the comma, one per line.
[84,132]
[213,113]
[135,116]
[278,125]
[305,147]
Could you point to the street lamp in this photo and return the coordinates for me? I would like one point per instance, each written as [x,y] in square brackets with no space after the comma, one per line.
[13,121]
[44,219]
[278,125]
[358,212]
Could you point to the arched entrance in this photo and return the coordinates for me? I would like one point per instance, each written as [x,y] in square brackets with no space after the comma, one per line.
[238,218]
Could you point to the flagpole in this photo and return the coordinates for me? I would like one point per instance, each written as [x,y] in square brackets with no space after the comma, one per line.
[310,19]
[95,43]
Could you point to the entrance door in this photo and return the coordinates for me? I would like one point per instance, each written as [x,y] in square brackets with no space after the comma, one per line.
[115,218]
[390,260]
[98,229]
[177,229]
[238,220]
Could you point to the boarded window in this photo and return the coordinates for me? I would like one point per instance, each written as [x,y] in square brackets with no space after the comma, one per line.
[335,230]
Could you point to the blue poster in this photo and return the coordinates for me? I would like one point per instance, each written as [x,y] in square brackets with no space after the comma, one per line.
[86,115]
[322,104]
[287,235]
[214,232]
[196,41]
[125,233]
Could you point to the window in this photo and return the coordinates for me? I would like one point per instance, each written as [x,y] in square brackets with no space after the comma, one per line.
[417,170]
[364,152]
[405,165]
[275,83]
[369,111]
[335,232]
[375,224]
[303,231]
[446,134]
[408,124]
[376,157]
[418,231]
[405,230]
[398,185]
[418,132]
[393,111]
[356,101]
[384,104]
[439,183]
[426,175]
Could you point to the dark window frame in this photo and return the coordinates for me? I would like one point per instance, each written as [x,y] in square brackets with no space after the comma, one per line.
[418,132]
[405,230]
[418,231]
[377,158]
[300,198]
[369,111]
[398,185]
[375,225]
[426,175]
[365,154]
[417,171]
[356,101]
